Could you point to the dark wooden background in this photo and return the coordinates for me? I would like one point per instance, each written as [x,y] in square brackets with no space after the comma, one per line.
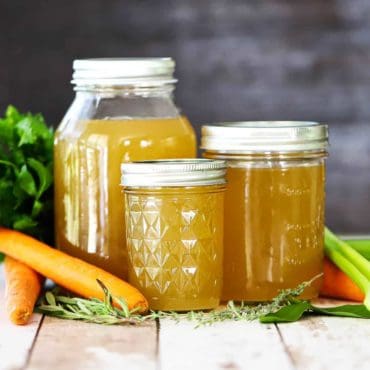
[237,60]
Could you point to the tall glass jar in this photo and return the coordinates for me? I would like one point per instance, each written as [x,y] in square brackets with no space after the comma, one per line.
[174,230]
[274,205]
[123,111]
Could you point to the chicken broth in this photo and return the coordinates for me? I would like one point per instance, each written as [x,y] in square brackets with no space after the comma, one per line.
[175,246]
[274,219]
[89,205]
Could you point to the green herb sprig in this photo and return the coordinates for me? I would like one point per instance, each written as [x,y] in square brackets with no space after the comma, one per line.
[89,310]
[26,174]
[103,312]
[242,311]
[285,307]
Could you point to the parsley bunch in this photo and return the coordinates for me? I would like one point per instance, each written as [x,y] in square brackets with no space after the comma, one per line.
[26,174]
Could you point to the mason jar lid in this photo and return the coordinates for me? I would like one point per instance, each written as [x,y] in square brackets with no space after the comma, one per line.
[173,172]
[123,71]
[265,136]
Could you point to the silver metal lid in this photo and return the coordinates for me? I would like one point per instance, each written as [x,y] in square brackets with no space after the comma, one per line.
[170,172]
[123,71]
[265,136]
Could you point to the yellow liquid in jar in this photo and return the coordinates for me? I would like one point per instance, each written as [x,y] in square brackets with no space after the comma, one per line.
[89,207]
[274,219]
[175,246]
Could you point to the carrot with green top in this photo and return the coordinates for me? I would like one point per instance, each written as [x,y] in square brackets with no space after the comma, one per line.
[23,286]
[69,272]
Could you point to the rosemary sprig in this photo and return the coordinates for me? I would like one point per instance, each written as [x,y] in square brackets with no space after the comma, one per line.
[89,310]
[103,312]
[239,312]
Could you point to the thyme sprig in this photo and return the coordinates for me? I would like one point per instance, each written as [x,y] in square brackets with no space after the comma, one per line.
[89,310]
[104,312]
[241,311]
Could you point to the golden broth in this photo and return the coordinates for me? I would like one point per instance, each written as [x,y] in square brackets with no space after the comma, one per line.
[274,220]
[175,245]
[89,207]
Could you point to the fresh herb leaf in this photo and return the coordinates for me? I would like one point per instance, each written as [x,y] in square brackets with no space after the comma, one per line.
[103,312]
[295,311]
[24,223]
[292,312]
[26,182]
[26,174]
[44,175]
[349,310]
[284,308]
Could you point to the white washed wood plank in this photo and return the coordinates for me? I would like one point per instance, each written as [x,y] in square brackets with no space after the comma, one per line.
[15,341]
[227,345]
[64,344]
[321,343]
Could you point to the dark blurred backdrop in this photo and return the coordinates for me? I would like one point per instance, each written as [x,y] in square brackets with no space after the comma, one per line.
[236,60]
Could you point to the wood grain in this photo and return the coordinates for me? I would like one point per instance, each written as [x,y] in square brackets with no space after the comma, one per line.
[321,343]
[63,344]
[227,345]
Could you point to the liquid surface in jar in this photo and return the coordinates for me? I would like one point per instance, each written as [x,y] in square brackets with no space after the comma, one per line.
[274,219]
[89,207]
[175,246]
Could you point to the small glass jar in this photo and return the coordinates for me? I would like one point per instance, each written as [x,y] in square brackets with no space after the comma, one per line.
[274,205]
[123,111]
[174,231]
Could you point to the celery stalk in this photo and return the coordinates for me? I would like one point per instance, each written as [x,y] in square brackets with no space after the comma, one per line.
[352,263]
[348,268]
[360,262]
[362,246]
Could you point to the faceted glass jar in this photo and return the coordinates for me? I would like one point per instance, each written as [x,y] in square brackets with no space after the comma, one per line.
[274,222]
[175,245]
[111,120]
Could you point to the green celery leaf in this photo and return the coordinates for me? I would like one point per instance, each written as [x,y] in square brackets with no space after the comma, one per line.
[26,181]
[6,133]
[8,164]
[37,208]
[24,222]
[26,174]
[13,113]
[44,174]
[290,313]
[348,310]
[6,214]
[26,131]
[6,189]
[31,128]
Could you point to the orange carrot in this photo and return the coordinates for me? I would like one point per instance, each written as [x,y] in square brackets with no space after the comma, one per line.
[23,286]
[69,272]
[336,284]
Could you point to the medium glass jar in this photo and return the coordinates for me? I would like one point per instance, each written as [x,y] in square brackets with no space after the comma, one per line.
[174,230]
[274,205]
[123,111]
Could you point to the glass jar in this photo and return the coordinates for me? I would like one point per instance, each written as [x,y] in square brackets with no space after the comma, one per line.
[174,231]
[123,111]
[274,205]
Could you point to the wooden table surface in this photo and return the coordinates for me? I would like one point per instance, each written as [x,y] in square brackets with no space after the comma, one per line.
[312,343]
